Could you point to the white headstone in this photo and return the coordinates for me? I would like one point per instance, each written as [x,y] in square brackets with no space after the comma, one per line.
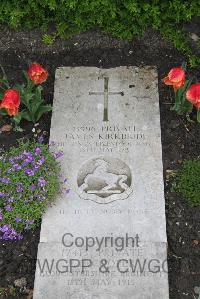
[106,238]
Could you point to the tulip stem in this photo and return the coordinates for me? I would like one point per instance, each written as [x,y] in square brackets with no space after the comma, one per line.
[5,76]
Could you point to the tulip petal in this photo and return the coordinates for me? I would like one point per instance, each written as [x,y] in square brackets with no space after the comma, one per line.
[193,94]
[11,102]
[166,81]
[176,75]
[37,73]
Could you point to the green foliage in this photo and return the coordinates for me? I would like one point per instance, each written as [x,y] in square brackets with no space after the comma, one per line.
[32,105]
[29,181]
[48,39]
[122,18]
[7,292]
[31,98]
[188,182]
[182,105]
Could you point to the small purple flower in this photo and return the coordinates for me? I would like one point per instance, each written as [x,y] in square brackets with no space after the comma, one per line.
[36,166]
[9,170]
[39,162]
[16,167]
[29,159]
[40,198]
[58,155]
[3,194]
[41,138]
[31,197]
[27,154]
[24,164]
[5,180]
[19,189]
[38,151]
[5,228]
[42,182]
[11,160]
[10,200]
[8,208]
[17,219]
[19,157]
[29,171]
[44,190]
[32,187]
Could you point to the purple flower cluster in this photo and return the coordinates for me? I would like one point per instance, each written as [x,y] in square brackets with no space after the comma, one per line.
[22,183]
[5,181]
[3,194]
[42,182]
[38,151]
[8,233]
[27,161]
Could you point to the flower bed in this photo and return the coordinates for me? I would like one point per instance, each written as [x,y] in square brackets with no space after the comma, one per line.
[29,182]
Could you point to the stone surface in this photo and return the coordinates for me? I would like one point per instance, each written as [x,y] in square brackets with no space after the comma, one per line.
[107,123]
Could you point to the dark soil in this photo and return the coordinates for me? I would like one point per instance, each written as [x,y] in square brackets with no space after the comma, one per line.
[180,140]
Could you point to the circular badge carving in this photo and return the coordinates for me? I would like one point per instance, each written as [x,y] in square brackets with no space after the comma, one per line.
[104,180]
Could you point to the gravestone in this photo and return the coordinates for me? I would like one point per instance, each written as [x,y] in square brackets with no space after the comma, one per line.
[106,238]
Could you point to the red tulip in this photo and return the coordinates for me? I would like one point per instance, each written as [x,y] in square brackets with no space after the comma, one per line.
[193,95]
[11,102]
[37,73]
[176,78]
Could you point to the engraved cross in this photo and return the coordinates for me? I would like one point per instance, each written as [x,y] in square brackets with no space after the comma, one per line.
[106,93]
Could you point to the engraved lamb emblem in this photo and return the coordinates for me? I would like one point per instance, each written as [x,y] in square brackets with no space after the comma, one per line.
[104,180]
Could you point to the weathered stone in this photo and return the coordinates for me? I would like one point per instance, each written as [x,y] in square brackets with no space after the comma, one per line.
[107,123]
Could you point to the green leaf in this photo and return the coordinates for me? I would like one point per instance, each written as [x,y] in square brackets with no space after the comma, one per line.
[30,83]
[3,112]
[187,85]
[41,111]
[18,129]
[27,100]
[26,115]
[182,105]
[184,65]
[4,84]
[36,107]
[17,118]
